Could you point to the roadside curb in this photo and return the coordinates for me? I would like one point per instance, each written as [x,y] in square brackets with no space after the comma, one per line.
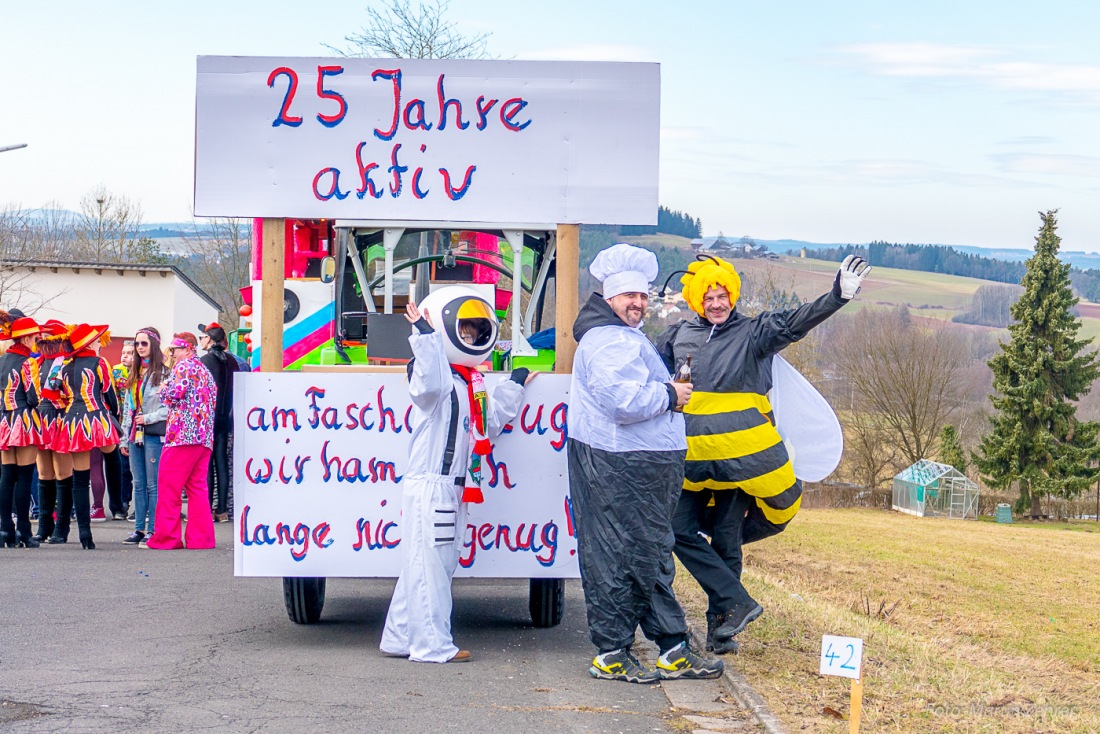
[745,694]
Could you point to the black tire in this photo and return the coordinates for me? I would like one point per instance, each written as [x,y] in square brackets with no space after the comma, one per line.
[547,602]
[304,598]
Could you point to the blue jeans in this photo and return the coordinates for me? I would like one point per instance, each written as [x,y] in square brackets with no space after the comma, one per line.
[144,465]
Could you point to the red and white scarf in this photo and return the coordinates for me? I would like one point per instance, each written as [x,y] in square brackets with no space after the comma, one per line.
[479,405]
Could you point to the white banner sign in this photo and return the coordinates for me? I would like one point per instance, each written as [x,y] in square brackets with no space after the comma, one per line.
[446,140]
[318,462]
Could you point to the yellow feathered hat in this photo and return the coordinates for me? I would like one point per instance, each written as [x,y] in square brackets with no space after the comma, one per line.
[702,275]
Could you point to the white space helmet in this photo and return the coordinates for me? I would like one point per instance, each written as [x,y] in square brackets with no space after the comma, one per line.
[455,308]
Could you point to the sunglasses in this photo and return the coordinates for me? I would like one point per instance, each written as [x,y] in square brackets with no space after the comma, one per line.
[142,344]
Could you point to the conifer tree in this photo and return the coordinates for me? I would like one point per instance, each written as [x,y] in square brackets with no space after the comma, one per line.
[951,450]
[1035,439]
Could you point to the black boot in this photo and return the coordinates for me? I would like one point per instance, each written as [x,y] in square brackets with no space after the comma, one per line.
[713,622]
[7,505]
[82,482]
[47,505]
[23,478]
[737,619]
[64,510]
[719,647]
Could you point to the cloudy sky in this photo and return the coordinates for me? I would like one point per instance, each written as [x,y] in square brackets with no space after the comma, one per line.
[932,122]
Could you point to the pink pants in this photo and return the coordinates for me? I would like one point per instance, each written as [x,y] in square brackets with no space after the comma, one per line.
[183,468]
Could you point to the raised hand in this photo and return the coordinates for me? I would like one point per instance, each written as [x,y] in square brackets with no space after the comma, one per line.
[850,276]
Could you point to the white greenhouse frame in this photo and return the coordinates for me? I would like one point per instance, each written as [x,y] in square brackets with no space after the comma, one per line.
[931,489]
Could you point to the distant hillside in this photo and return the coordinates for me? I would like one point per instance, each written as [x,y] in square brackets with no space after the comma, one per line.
[1076,258]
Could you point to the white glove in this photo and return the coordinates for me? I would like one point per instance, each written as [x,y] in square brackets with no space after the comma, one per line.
[849,277]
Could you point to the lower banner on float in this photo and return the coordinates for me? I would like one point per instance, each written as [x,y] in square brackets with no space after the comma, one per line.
[318,465]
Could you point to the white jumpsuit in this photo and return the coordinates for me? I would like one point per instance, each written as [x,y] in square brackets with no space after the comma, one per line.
[433,516]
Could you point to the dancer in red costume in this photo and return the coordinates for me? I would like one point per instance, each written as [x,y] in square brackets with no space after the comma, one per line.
[20,432]
[55,470]
[89,419]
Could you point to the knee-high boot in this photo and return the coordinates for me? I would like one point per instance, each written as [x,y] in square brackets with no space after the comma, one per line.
[82,482]
[64,510]
[24,475]
[112,469]
[7,501]
[47,505]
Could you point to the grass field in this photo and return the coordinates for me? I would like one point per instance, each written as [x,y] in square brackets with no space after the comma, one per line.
[996,627]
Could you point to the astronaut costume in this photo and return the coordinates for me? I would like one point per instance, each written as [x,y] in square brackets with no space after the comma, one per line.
[448,441]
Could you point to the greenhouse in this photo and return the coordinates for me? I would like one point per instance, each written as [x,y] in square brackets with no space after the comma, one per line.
[929,489]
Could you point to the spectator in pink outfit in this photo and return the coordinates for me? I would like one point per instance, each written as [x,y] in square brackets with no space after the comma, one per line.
[189,395]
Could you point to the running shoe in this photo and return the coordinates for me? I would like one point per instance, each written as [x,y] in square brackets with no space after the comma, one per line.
[621,665]
[134,538]
[683,662]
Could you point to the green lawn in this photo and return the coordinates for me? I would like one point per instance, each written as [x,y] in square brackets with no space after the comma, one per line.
[995,627]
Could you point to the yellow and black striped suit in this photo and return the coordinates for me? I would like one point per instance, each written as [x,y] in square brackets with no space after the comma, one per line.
[731,435]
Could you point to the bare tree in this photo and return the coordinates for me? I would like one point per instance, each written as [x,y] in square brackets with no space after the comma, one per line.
[908,373]
[107,226]
[404,32]
[220,261]
[870,452]
[27,235]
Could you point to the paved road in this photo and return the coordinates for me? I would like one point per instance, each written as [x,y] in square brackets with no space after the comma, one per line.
[123,639]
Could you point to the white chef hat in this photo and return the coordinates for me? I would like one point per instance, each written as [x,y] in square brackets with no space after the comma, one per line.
[624,268]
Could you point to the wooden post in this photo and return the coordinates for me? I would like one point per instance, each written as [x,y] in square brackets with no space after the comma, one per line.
[568,270]
[856,708]
[271,296]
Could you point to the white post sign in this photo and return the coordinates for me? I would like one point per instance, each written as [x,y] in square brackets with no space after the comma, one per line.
[318,463]
[427,139]
[842,656]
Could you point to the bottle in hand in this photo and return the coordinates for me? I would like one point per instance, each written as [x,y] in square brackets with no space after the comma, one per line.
[683,375]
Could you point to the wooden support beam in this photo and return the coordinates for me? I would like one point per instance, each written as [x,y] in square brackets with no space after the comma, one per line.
[271,296]
[568,271]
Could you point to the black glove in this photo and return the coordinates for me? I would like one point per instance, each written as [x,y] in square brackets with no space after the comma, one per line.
[519,375]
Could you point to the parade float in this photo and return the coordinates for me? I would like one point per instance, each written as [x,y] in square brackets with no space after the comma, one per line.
[373,182]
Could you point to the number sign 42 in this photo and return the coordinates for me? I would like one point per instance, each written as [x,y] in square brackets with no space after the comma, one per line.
[841,656]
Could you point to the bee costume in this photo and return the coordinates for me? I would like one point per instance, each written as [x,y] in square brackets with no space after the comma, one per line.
[739,481]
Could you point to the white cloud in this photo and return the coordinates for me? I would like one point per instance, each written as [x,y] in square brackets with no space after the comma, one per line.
[591,52]
[992,67]
[1053,164]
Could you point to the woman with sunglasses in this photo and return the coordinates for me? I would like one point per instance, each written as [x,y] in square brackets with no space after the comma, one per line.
[88,422]
[143,424]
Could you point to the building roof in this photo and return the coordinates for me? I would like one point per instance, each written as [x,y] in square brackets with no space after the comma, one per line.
[77,266]
[925,472]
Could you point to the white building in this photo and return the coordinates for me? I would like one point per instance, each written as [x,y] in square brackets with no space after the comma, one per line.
[125,296]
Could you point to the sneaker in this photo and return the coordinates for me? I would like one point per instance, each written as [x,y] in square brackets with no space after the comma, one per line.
[119,516]
[737,619]
[130,516]
[221,517]
[683,662]
[144,542]
[621,665]
[134,538]
[98,515]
